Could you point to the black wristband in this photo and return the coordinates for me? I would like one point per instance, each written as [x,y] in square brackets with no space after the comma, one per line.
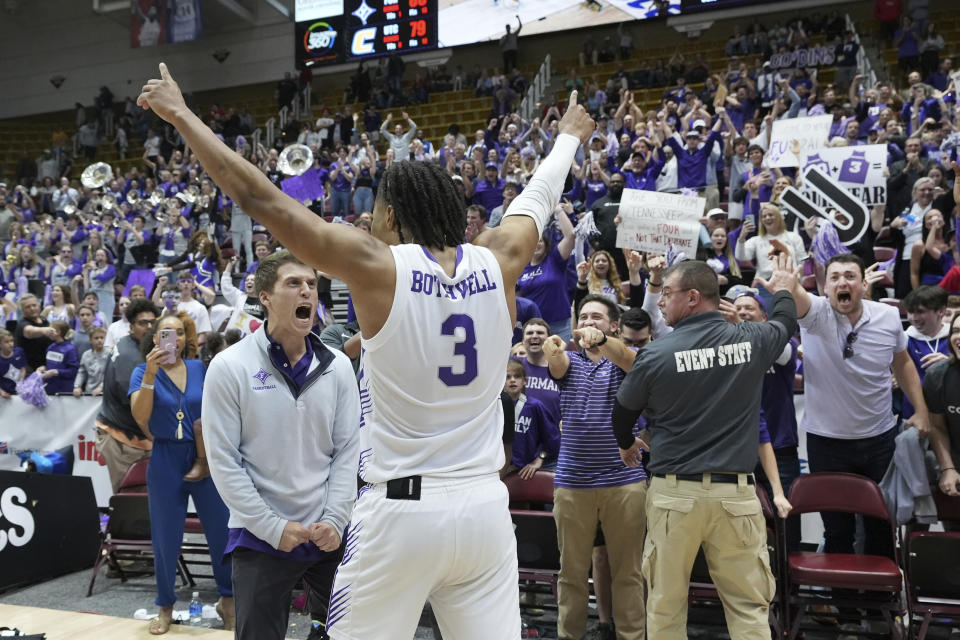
[651,283]
[602,342]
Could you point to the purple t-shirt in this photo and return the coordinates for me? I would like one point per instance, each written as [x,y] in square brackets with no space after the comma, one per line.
[533,432]
[489,194]
[777,401]
[63,357]
[341,182]
[10,369]
[595,189]
[546,285]
[542,388]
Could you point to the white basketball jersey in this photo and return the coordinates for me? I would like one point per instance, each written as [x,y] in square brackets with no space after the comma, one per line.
[430,380]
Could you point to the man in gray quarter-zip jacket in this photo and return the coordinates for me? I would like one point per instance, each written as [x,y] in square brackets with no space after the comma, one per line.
[281,417]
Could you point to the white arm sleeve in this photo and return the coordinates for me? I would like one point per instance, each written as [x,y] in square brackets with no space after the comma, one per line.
[658,325]
[543,191]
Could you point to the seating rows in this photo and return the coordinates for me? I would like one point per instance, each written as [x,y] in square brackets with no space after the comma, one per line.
[925,563]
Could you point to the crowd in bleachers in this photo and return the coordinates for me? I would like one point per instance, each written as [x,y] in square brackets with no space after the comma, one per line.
[75,255]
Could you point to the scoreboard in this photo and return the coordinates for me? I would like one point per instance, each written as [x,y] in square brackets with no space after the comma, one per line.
[353,30]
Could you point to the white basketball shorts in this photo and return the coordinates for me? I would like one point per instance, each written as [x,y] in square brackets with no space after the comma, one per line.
[454,547]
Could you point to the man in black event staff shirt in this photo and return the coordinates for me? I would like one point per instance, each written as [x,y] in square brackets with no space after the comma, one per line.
[701,386]
[120,440]
[34,334]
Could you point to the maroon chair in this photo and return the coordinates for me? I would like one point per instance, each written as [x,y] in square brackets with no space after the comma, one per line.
[127,535]
[931,570]
[884,254]
[538,489]
[842,573]
[538,554]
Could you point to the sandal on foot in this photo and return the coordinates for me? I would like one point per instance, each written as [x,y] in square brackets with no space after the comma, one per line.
[161,624]
[229,618]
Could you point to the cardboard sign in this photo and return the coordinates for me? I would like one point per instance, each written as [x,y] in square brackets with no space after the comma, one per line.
[653,221]
[812,134]
[858,169]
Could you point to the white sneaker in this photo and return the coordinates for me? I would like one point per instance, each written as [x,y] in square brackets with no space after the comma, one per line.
[850,626]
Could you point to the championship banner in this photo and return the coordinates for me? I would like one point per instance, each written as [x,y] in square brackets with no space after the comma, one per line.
[148,23]
[184,20]
[654,221]
[154,22]
[859,170]
[812,133]
[65,421]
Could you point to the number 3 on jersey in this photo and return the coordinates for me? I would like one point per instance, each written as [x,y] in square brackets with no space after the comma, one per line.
[467,347]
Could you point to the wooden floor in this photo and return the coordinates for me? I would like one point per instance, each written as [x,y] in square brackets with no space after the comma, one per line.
[64,625]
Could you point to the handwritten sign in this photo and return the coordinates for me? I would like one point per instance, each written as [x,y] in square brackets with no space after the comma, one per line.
[653,221]
[811,133]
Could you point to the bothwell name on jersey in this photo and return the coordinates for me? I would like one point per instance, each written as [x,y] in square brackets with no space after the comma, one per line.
[429,285]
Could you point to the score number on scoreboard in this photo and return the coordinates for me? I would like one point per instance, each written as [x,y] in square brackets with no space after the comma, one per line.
[381,27]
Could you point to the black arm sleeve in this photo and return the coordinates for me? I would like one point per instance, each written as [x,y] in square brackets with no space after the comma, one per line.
[785,312]
[623,421]
[579,294]
[637,293]
[509,418]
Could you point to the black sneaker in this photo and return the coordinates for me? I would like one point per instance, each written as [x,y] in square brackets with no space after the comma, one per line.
[318,632]
[605,631]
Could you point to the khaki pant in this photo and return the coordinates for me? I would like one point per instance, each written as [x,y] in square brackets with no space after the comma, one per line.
[726,519]
[118,456]
[620,510]
[712,195]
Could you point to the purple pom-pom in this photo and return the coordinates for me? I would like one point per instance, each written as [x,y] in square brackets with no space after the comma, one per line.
[31,390]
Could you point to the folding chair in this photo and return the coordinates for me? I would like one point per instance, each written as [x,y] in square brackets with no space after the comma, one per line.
[843,573]
[703,592]
[128,536]
[932,571]
[538,555]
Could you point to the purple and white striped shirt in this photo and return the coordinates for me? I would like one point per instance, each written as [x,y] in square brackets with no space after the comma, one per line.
[589,455]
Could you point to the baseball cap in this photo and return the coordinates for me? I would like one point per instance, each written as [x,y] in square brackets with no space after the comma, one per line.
[491,165]
[692,134]
[740,290]
[699,123]
[716,211]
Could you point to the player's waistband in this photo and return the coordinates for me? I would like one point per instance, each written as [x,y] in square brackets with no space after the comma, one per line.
[415,487]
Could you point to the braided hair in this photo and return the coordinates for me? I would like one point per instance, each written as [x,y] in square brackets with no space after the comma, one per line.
[426,203]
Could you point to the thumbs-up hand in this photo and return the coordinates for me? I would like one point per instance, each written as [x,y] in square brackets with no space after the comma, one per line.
[163,96]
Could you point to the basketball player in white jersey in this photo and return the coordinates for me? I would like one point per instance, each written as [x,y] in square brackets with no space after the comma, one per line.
[436,317]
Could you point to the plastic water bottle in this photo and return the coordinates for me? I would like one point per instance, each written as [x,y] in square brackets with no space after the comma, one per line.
[196,610]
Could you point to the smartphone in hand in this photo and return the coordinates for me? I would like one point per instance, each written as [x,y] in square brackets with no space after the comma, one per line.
[168,342]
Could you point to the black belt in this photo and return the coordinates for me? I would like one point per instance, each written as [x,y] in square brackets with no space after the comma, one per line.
[723,478]
[404,488]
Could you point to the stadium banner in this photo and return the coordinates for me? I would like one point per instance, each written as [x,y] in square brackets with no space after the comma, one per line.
[811,132]
[859,170]
[65,421]
[184,20]
[654,221]
[154,22]
[148,23]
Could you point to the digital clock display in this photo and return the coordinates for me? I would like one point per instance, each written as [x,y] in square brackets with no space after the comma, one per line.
[382,27]
[365,28]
